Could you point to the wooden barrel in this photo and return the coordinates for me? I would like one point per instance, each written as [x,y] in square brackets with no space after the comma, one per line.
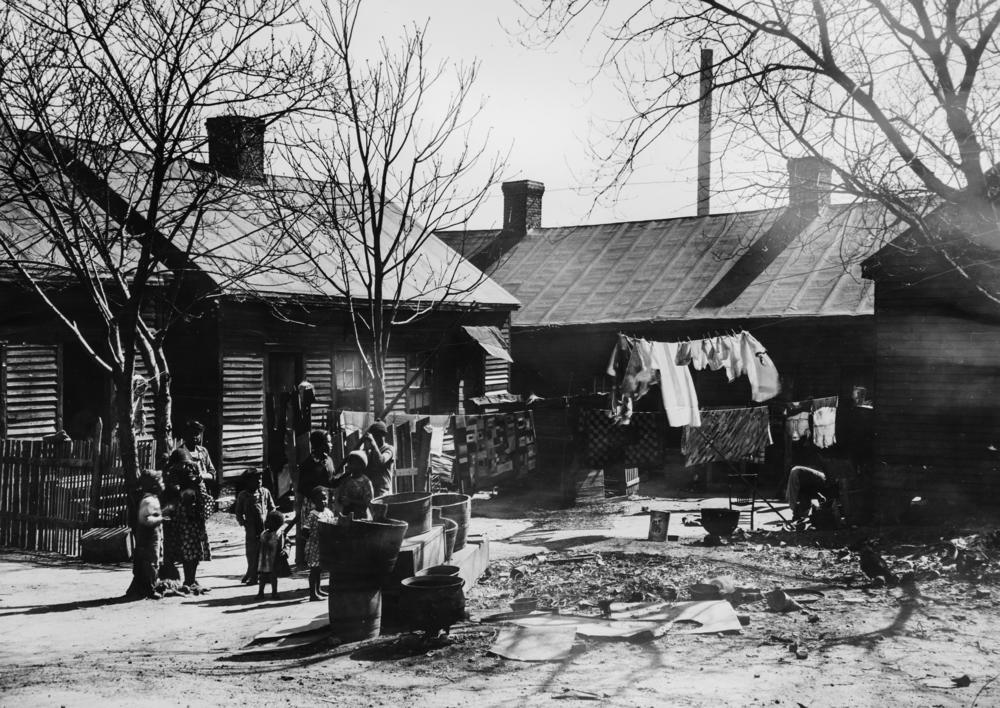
[360,554]
[355,615]
[412,507]
[458,508]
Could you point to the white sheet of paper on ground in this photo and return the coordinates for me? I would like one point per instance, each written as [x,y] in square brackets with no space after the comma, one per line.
[535,643]
[709,615]
[591,626]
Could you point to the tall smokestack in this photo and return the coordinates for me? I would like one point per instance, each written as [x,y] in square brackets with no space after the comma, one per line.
[705,134]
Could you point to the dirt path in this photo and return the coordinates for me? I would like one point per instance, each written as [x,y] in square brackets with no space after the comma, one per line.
[67,642]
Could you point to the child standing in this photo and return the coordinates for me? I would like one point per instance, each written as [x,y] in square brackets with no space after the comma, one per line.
[253,505]
[320,513]
[272,543]
[354,494]
[148,553]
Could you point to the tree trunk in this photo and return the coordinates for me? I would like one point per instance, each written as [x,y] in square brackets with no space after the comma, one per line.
[162,411]
[378,392]
[128,454]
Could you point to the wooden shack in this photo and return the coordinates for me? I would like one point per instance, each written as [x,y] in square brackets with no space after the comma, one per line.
[937,364]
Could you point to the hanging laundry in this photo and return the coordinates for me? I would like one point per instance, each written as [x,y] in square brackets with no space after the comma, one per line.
[728,434]
[619,357]
[640,373]
[684,356]
[760,369]
[734,358]
[699,356]
[798,425]
[676,385]
[715,352]
[825,426]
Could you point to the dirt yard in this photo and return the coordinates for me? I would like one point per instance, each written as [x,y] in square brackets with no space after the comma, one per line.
[69,640]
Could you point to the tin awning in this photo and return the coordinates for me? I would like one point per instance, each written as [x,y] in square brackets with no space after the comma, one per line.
[491,340]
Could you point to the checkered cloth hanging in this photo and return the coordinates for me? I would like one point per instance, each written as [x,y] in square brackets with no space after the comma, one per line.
[728,434]
[641,442]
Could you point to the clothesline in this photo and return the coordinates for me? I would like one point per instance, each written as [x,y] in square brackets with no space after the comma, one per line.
[640,364]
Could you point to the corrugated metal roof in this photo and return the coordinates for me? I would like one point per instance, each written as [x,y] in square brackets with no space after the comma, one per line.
[245,249]
[663,269]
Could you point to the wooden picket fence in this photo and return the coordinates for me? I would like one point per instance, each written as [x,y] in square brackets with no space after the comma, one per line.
[49,492]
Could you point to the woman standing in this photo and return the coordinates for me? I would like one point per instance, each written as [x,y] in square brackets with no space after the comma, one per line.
[185,535]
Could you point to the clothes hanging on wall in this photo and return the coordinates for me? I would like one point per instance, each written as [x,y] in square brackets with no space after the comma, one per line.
[727,434]
[825,426]
[680,400]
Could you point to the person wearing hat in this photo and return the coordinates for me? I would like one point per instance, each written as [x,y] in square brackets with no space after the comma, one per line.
[185,538]
[354,493]
[252,506]
[194,433]
[381,458]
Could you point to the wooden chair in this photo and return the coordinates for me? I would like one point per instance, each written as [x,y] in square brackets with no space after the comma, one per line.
[743,493]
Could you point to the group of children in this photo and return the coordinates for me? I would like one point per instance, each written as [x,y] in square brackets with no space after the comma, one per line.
[266,528]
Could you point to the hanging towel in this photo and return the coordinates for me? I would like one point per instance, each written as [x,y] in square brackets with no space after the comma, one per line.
[798,425]
[728,434]
[679,397]
[825,426]
[763,375]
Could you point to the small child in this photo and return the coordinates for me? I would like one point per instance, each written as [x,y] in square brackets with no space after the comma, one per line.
[272,543]
[253,505]
[148,553]
[320,513]
[354,494]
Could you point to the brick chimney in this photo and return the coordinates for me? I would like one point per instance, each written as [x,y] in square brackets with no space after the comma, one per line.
[809,184]
[236,147]
[522,205]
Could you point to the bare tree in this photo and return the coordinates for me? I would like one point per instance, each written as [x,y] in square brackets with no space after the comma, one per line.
[385,163]
[103,195]
[898,97]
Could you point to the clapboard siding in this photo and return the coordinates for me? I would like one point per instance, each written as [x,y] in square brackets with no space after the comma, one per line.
[319,372]
[242,409]
[395,380]
[32,392]
[496,372]
[938,377]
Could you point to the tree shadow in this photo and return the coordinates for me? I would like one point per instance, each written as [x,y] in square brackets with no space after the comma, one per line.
[67,606]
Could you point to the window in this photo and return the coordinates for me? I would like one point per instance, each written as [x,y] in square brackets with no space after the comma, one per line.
[349,376]
[421,375]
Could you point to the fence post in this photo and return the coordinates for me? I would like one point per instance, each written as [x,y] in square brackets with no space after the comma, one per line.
[95,477]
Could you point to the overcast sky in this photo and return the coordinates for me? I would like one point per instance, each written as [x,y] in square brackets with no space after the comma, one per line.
[546,106]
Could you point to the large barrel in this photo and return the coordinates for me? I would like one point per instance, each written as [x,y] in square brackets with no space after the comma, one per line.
[458,508]
[432,602]
[355,615]
[359,554]
[412,507]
